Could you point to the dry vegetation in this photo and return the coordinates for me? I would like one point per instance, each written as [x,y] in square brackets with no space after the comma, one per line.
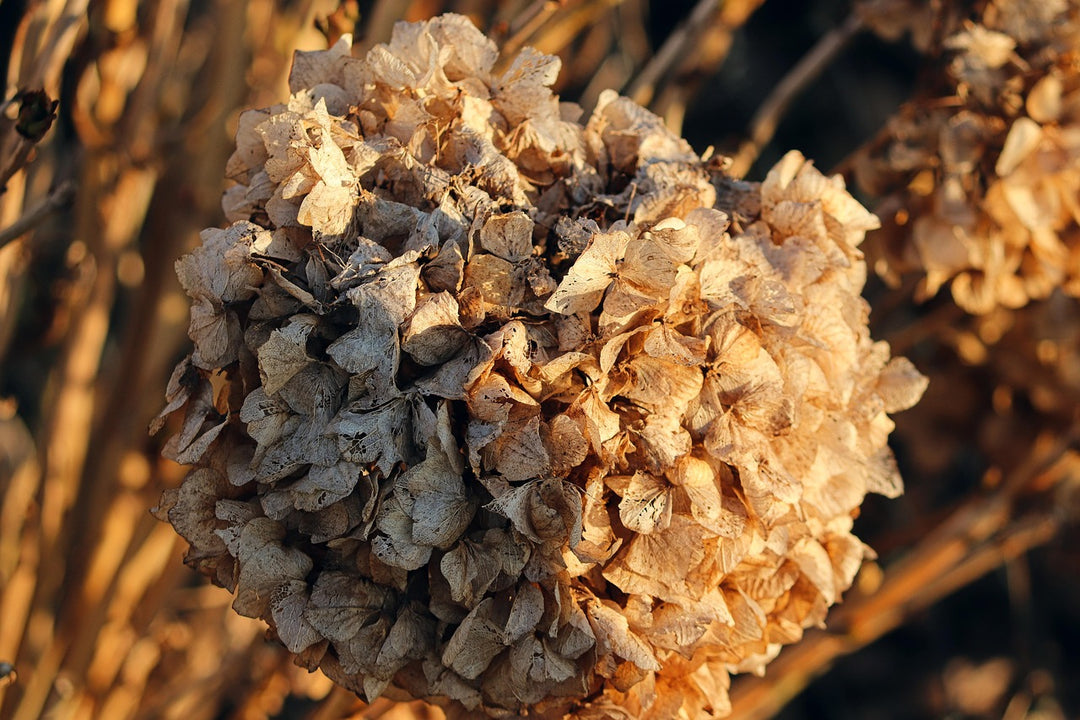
[119,120]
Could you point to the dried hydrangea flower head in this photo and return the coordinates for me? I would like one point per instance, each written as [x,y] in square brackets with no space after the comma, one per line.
[519,413]
[983,171]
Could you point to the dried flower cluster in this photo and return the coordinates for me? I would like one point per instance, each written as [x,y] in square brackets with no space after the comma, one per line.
[983,170]
[495,407]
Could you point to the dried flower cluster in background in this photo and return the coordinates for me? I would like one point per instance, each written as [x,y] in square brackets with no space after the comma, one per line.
[982,169]
[496,404]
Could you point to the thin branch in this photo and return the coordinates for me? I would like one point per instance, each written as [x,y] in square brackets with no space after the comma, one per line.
[16,159]
[527,23]
[767,118]
[1018,540]
[58,198]
[561,27]
[700,62]
[678,43]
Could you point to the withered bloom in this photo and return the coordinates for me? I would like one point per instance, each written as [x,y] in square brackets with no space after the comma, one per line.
[509,411]
[981,173]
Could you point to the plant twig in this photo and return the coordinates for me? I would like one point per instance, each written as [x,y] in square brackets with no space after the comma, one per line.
[527,23]
[709,51]
[685,36]
[45,44]
[767,118]
[33,217]
[16,158]
[560,28]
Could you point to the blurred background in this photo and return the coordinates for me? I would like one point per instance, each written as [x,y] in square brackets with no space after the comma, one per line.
[971,611]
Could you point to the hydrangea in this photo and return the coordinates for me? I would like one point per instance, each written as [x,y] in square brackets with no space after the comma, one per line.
[980,173]
[496,407]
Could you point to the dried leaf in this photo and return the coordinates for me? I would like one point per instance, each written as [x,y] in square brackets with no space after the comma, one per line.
[645,504]
[476,642]
[285,352]
[381,436]
[433,334]
[508,236]
[613,636]
[441,507]
[287,609]
[583,287]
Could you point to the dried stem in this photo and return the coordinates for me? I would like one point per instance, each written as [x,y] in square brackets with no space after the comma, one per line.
[700,61]
[15,159]
[33,217]
[767,118]
[87,572]
[528,22]
[53,44]
[561,27]
[680,42]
